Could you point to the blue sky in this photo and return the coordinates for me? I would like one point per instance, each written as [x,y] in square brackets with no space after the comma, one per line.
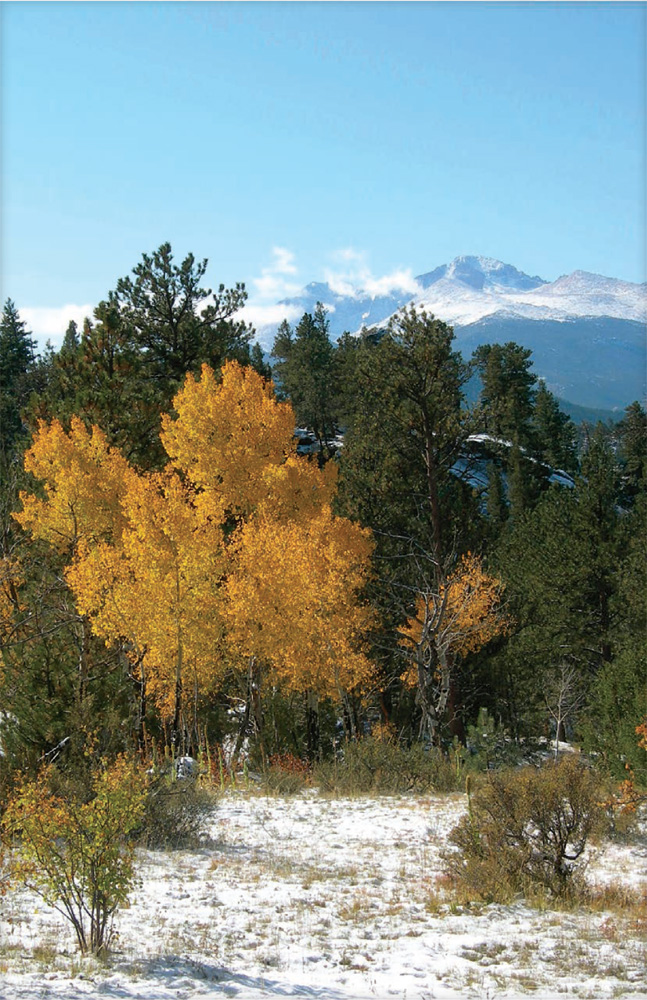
[290,141]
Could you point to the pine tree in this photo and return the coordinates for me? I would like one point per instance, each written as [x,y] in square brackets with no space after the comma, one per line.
[508,390]
[71,340]
[305,368]
[496,504]
[559,561]
[175,323]
[631,433]
[281,353]
[400,474]
[533,437]
[618,699]
[132,358]
[17,361]
[555,435]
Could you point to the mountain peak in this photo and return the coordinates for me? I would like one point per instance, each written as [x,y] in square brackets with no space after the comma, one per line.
[480,274]
[487,272]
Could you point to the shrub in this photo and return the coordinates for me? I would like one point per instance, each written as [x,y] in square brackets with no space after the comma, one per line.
[381,766]
[526,832]
[175,811]
[286,774]
[74,851]
[489,745]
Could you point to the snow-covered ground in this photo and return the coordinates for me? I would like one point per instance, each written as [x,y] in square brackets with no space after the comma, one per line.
[327,898]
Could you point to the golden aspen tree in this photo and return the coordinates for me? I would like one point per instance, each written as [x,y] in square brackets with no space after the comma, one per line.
[293,601]
[159,589]
[146,565]
[235,442]
[235,533]
[78,503]
[459,618]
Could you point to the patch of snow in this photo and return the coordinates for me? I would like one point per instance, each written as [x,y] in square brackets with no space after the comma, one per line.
[326,898]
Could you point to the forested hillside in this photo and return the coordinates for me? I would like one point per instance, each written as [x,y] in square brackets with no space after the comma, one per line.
[178,575]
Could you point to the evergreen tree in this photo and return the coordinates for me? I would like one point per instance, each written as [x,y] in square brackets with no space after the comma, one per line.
[496,505]
[618,698]
[281,353]
[508,390]
[305,367]
[559,562]
[158,325]
[175,324]
[71,340]
[101,379]
[533,437]
[18,377]
[258,362]
[401,474]
[598,491]
[555,434]
[17,362]
[631,435]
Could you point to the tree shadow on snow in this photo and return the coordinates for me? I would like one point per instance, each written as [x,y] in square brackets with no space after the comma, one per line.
[178,973]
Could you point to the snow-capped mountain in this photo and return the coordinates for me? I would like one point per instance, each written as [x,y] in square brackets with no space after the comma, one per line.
[471,288]
[586,331]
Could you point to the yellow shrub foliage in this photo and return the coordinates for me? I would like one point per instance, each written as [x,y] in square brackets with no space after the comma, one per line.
[74,852]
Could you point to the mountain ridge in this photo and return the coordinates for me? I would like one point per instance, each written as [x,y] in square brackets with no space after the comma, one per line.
[471,287]
[586,330]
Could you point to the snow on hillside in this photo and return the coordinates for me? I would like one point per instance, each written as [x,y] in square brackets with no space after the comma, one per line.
[475,287]
[584,294]
[326,898]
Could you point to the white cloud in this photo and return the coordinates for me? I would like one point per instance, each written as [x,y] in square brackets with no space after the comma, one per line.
[401,280]
[263,315]
[284,260]
[50,323]
[357,278]
[274,281]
